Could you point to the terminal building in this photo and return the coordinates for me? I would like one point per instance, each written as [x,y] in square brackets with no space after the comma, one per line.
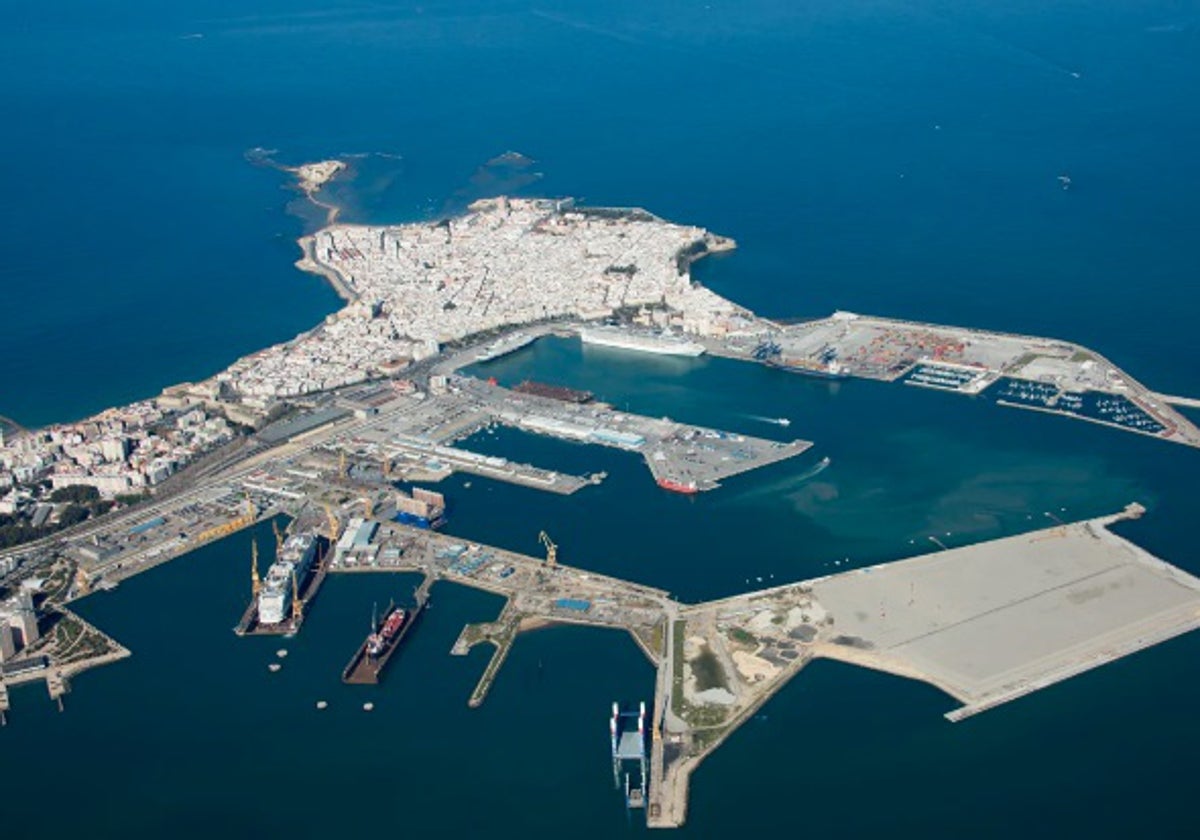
[18,624]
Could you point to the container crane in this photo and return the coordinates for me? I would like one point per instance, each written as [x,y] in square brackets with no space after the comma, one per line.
[551,549]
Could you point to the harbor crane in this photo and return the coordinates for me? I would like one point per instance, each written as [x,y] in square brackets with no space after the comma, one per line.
[334,525]
[551,549]
[255,580]
[387,467]
[278,537]
[297,605]
[368,507]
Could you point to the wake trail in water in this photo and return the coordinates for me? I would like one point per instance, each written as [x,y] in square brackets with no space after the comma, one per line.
[787,485]
[774,421]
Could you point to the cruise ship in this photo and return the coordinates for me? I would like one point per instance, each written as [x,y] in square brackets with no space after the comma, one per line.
[295,559]
[663,344]
[503,346]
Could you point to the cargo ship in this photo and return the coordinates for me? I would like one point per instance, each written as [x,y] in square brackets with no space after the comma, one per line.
[422,509]
[831,370]
[663,344]
[688,489]
[372,656]
[555,392]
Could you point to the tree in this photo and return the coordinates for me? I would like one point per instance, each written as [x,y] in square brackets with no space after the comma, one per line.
[79,494]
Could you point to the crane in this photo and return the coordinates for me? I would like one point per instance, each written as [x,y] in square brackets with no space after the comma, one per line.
[551,549]
[297,606]
[387,467]
[342,464]
[368,507]
[278,537]
[334,525]
[255,581]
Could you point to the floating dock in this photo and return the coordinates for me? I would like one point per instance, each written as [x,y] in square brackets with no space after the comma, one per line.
[249,624]
[362,669]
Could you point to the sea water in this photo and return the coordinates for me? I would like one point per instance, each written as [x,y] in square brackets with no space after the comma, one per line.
[901,159]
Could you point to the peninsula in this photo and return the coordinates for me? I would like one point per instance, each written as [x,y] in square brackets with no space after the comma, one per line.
[321,427]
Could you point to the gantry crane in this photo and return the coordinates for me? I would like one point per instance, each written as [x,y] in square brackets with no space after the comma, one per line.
[551,549]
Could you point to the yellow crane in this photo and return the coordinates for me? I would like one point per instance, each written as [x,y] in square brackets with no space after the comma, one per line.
[342,464]
[278,537]
[368,507]
[297,606]
[255,580]
[387,466]
[334,525]
[551,549]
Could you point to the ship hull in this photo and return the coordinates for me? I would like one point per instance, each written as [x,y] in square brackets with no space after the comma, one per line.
[655,346]
[815,373]
[364,669]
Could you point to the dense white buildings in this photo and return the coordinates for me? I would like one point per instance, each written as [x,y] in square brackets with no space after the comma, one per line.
[121,450]
[507,262]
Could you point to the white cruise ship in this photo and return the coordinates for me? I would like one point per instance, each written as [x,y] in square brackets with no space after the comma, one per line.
[663,344]
[275,598]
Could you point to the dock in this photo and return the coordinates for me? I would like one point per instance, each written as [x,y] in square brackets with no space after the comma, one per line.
[249,625]
[361,669]
[1064,599]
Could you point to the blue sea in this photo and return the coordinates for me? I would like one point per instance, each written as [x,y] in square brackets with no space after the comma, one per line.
[894,158]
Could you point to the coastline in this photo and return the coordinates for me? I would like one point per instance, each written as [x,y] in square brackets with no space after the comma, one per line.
[309,263]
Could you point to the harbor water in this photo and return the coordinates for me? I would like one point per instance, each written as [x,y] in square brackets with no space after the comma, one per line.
[900,159]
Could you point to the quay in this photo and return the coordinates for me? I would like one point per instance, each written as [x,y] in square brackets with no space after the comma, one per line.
[1064,599]
[1058,377]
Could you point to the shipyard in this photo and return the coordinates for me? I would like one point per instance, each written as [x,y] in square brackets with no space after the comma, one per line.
[348,428]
